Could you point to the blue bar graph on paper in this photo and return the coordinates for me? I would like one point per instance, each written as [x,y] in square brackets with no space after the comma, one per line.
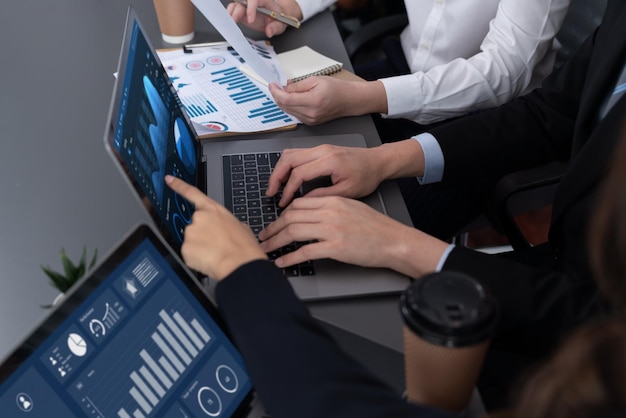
[198,105]
[242,90]
[269,112]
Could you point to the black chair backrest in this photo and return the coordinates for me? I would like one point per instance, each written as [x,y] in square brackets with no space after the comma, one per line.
[582,17]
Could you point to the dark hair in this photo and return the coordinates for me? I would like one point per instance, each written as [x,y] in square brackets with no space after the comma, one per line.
[585,379]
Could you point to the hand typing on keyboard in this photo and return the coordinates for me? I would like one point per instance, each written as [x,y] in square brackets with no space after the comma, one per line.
[350,231]
[246,178]
[351,171]
[332,224]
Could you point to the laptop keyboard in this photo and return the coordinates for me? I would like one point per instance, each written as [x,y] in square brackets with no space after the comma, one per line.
[245,181]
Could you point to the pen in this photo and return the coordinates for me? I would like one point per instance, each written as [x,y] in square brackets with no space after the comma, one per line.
[187,48]
[281,17]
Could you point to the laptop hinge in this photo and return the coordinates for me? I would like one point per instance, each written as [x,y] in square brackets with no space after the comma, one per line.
[202,174]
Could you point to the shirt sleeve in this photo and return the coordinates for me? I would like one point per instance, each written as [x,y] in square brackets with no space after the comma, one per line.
[310,8]
[444,257]
[433,159]
[519,38]
[293,361]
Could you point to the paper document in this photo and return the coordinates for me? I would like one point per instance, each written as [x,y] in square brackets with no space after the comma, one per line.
[216,14]
[218,97]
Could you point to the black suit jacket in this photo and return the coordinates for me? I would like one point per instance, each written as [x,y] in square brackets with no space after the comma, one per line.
[297,369]
[549,289]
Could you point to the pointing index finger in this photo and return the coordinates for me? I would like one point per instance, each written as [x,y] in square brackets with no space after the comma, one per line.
[189,192]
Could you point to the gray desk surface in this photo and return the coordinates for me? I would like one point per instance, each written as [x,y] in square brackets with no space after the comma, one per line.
[59,187]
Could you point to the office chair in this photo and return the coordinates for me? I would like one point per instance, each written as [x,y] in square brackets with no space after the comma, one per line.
[355,23]
[364,44]
[533,188]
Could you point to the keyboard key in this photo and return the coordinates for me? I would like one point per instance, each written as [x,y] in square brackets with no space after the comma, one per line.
[306,269]
[263,159]
[246,178]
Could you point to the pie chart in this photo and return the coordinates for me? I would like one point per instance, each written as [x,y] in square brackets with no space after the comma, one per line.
[77,344]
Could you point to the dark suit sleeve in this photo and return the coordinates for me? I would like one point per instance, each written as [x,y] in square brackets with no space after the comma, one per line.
[538,305]
[298,370]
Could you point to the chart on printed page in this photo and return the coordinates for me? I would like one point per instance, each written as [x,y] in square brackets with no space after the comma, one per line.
[218,95]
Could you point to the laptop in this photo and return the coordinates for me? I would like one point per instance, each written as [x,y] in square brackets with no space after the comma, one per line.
[137,337]
[148,135]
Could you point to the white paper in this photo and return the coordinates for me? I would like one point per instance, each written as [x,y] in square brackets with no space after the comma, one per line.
[216,14]
[218,97]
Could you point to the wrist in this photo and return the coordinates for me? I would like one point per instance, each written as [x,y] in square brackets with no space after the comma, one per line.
[291,8]
[367,97]
[415,253]
[229,265]
[400,159]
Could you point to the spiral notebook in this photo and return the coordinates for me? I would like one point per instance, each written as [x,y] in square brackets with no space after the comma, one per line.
[304,62]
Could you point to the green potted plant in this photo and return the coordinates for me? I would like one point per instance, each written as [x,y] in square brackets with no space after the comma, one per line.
[72,272]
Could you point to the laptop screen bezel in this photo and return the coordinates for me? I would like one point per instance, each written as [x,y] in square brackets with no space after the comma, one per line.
[112,120]
[77,295]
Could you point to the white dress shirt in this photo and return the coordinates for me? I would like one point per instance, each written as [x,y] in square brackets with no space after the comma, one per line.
[468,55]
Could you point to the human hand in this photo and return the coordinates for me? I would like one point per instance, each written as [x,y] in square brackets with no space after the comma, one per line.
[215,242]
[316,100]
[353,171]
[350,231]
[249,16]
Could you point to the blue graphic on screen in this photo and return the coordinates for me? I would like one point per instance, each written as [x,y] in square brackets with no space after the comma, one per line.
[153,138]
[158,136]
[185,145]
[162,355]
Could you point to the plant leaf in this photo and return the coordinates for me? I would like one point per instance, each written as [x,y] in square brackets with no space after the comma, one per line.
[58,280]
[72,272]
[93,260]
[68,266]
[81,263]
[80,269]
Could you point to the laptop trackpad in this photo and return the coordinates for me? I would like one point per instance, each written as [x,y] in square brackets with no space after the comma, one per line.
[334,279]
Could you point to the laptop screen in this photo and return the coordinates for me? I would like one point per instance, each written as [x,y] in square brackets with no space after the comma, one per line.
[137,338]
[149,133]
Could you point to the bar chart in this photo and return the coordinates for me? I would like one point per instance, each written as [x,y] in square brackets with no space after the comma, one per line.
[220,94]
[242,90]
[197,105]
[179,342]
[154,364]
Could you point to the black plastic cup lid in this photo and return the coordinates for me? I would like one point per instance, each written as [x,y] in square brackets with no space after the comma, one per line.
[449,309]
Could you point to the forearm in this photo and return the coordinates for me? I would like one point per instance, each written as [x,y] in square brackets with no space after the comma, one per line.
[398,159]
[365,97]
[412,252]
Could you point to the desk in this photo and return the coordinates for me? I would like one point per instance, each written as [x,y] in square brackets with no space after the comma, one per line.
[58,185]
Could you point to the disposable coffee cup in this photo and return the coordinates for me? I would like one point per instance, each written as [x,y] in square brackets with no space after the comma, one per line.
[176,20]
[448,322]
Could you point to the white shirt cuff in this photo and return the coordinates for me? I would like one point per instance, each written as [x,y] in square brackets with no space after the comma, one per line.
[310,8]
[444,257]
[400,104]
[433,159]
